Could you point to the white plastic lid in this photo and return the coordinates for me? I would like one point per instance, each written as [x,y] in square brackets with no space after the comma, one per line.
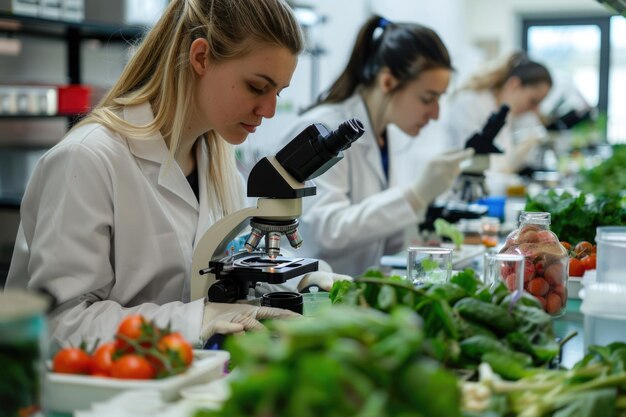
[604,299]
[611,235]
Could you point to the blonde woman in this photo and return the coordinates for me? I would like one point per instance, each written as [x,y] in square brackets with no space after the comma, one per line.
[112,212]
[518,82]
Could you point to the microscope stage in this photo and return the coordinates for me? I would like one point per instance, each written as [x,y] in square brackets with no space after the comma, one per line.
[258,267]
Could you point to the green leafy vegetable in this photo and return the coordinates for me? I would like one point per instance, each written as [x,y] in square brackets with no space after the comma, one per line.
[575,218]
[346,362]
[463,320]
[445,229]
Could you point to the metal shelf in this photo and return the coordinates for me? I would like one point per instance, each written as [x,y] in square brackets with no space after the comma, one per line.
[49,27]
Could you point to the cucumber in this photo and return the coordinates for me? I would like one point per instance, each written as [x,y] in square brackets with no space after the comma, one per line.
[492,316]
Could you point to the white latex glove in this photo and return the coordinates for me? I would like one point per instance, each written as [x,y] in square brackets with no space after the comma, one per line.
[438,176]
[514,159]
[228,318]
[322,279]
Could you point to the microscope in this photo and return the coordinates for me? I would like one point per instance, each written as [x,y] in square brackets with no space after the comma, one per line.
[470,185]
[279,182]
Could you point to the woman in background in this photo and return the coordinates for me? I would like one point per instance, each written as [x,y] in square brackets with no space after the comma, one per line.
[395,75]
[521,84]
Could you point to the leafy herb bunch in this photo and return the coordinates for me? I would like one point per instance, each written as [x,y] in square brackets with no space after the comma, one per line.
[346,362]
[465,322]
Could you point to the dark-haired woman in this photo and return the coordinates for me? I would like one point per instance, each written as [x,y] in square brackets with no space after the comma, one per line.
[396,74]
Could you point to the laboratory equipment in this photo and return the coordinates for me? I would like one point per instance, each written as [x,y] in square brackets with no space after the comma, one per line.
[470,185]
[279,182]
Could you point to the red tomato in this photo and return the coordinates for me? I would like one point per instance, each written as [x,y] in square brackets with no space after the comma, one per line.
[554,274]
[566,245]
[583,248]
[538,286]
[553,303]
[103,359]
[589,262]
[71,360]
[546,236]
[134,327]
[576,268]
[175,342]
[132,366]
[131,326]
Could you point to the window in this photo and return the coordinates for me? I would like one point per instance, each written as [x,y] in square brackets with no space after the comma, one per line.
[587,57]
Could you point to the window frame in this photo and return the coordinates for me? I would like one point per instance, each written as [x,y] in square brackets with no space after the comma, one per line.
[604,24]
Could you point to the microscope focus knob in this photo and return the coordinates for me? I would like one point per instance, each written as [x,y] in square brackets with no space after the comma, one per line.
[225,291]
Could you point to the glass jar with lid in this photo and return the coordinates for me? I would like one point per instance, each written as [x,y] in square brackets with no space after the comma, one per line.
[546,261]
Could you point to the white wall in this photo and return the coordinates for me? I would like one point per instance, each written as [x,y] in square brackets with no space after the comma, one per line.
[500,20]
[462,24]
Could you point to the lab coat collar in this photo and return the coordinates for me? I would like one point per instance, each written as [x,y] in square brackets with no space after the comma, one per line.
[356,106]
[154,149]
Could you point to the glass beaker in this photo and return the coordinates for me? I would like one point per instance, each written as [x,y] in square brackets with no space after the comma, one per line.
[504,267]
[428,264]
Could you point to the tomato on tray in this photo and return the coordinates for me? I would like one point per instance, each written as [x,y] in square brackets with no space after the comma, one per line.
[132,366]
[140,350]
[576,268]
[174,343]
[589,262]
[72,360]
[103,359]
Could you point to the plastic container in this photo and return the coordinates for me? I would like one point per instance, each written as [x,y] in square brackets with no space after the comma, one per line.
[22,345]
[611,252]
[605,313]
[495,205]
[546,261]
[315,301]
[68,393]
[283,299]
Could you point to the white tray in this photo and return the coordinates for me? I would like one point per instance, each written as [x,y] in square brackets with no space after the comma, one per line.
[67,393]
[574,285]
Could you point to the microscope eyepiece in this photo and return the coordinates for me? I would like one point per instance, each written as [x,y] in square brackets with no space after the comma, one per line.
[342,137]
[482,142]
[316,149]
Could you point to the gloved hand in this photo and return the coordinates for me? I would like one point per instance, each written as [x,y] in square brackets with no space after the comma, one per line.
[439,176]
[228,318]
[322,279]
[514,159]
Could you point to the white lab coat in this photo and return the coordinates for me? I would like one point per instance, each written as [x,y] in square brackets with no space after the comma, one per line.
[357,215]
[466,114]
[108,226]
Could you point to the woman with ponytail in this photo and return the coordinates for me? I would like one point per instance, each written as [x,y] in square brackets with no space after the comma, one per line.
[112,212]
[517,82]
[395,75]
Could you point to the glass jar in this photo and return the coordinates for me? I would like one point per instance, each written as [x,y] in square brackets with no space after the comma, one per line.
[22,353]
[546,261]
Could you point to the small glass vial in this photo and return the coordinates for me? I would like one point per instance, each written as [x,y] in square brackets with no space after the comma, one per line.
[546,261]
[489,230]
